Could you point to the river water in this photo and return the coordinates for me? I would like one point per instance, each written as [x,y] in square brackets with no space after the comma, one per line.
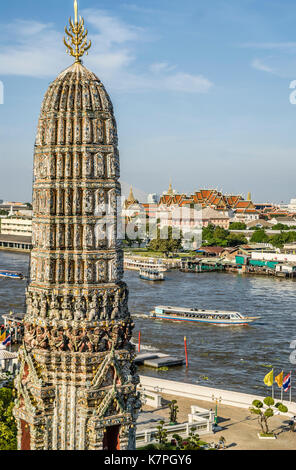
[233,358]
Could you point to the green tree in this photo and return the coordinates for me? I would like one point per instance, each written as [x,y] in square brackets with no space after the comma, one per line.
[8,428]
[218,236]
[235,239]
[214,236]
[207,233]
[265,413]
[280,226]
[259,236]
[237,226]
[166,242]
[280,239]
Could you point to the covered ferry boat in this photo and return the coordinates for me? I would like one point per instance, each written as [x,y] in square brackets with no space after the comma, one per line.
[138,264]
[11,274]
[151,274]
[215,317]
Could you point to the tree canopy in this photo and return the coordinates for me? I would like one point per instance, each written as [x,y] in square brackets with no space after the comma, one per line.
[218,236]
[166,242]
[237,226]
[259,236]
[7,422]
[280,226]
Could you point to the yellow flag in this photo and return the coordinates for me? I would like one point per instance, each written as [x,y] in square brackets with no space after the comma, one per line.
[268,379]
[279,379]
[3,337]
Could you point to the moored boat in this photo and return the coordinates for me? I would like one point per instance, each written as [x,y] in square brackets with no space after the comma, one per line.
[11,274]
[151,274]
[214,317]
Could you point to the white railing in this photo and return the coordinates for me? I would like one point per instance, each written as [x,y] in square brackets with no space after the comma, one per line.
[149,436]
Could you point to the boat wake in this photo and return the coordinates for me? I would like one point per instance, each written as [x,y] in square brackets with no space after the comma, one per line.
[140,315]
[145,347]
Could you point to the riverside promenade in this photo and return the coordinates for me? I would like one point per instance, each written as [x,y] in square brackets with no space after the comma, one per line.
[239,427]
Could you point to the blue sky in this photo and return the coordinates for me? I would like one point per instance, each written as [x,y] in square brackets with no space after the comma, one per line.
[200,90]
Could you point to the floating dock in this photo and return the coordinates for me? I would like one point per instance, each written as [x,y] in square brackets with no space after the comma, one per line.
[158,360]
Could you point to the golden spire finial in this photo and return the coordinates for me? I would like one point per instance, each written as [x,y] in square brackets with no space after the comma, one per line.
[78,44]
[76,11]
[170,191]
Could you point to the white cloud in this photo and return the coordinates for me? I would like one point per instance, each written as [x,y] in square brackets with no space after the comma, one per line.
[112,30]
[259,65]
[188,83]
[36,49]
[159,67]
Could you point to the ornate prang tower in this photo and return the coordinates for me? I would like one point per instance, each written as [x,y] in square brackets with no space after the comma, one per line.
[76,388]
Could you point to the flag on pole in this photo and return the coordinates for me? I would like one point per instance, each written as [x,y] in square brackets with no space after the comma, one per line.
[279,379]
[287,382]
[2,337]
[268,379]
[7,341]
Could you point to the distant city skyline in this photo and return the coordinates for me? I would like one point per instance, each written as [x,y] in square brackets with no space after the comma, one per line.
[201,90]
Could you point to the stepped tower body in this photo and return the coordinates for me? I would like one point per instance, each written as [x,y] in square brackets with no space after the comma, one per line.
[76,388]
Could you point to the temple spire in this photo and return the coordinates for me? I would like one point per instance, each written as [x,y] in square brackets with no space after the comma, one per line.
[131,197]
[77,43]
[170,190]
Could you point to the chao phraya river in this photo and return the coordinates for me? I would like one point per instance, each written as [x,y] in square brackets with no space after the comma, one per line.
[233,358]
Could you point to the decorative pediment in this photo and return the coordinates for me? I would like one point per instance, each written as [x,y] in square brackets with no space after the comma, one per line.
[26,359]
[23,393]
[27,377]
[109,361]
[112,397]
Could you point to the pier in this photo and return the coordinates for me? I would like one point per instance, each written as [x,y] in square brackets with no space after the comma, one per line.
[16,243]
[197,265]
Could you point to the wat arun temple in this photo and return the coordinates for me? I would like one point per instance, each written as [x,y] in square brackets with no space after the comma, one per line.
[76,388]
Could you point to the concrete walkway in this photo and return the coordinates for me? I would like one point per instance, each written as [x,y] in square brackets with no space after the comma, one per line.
[239,427]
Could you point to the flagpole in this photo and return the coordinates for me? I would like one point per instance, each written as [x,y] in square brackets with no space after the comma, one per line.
[282,393]
[290,386]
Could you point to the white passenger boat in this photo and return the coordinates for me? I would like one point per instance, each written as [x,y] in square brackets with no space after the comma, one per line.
[151,274]
[215,317]
[137,265]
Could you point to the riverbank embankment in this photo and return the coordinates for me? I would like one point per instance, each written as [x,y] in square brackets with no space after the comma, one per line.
[207,394]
